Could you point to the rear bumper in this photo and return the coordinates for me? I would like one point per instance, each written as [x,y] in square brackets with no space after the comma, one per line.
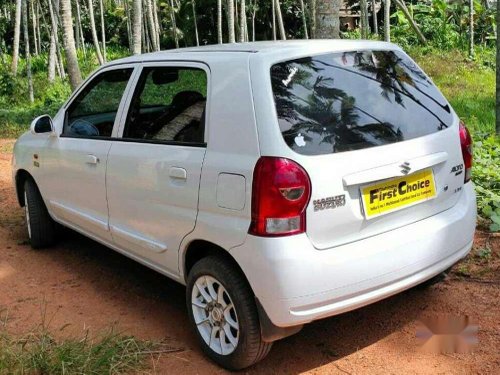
[297,284]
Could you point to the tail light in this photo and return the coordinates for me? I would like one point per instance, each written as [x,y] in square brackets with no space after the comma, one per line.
[280,194]
[466,143]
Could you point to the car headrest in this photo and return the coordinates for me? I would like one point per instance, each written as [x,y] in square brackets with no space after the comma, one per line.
[187,98]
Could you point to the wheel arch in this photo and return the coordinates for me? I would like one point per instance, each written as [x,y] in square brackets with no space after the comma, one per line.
[199,249]
[22,175]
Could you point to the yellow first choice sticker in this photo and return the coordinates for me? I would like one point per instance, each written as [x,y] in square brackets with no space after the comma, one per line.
[396,194]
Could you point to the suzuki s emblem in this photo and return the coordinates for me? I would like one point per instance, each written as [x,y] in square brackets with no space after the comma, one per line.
[405,168]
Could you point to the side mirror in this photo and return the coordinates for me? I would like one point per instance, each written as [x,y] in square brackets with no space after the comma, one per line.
[42,124]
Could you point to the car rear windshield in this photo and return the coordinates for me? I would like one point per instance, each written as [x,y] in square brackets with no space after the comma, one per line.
[355,100]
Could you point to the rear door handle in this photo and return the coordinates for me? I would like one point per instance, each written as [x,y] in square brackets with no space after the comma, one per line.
[91,159]
[178,173]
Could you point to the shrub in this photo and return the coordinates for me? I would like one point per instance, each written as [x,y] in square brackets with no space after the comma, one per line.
[486,177]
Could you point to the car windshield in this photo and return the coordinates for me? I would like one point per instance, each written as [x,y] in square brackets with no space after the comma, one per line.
[355,100]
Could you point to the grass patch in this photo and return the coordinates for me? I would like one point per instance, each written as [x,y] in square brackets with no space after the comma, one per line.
[468,85]
[38,352]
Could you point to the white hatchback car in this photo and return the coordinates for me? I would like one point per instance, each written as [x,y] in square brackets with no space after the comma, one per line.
[281,182]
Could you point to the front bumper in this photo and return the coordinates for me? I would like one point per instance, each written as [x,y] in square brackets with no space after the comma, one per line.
[297,284]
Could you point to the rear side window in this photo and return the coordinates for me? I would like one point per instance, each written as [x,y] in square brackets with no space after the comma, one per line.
[355,100]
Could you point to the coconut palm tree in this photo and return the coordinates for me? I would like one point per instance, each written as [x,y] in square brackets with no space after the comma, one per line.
[219,21]
[27,50]
[17,33]
[94,32]
[279,17]
[375,18]
[103,31]
[312,15]
[152,26]
[230,21]
[193,4]
[387,20]
[364,19]
[74,74]
[303,11]
[327,19]
[174,23]
[136,27]
[243,16]
[55,53]
[471,29]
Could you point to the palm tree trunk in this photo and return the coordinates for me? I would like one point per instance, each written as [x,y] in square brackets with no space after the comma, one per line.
[75,77]
[151,25]
[230,21]
[246,29]
[327,19]
[243,15]
[364,19]
[147,41]
[27,50]
[17,33]
[52,58]
[38,32]
[312,10]
[281,25]
[274,20]
[136,27]
[387,20]
[303,11]
[57,51]
[254,11]
[77,34]
[103,30]
[94,32]
[33,23]
[374,16]
[60,61]
[157,24]
[219,21]
[471,29]
[174,23]
[193,3]
[79,24]
[129,27]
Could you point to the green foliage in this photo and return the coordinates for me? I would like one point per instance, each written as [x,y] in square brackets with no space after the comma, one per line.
[486,175]
[445,24]
[483,253]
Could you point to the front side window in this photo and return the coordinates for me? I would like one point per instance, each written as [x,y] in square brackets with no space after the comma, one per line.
[168,105]
[93,112]
[355,100]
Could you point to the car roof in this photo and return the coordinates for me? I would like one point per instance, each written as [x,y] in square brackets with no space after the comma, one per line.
[235,50]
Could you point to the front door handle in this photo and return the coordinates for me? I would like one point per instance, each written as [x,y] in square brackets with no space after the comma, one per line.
[92,160]
[178,173]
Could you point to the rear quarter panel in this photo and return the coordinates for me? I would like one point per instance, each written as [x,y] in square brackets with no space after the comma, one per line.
[232,150]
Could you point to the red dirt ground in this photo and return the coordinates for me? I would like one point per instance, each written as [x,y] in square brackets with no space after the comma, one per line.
[82,284]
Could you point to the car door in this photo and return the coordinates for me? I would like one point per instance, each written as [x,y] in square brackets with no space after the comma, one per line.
[76,160]
[153,173]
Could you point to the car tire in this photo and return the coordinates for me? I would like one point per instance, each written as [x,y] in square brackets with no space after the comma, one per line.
[214,320]
[41,227]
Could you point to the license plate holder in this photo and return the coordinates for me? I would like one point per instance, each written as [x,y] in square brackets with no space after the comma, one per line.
[384,197]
